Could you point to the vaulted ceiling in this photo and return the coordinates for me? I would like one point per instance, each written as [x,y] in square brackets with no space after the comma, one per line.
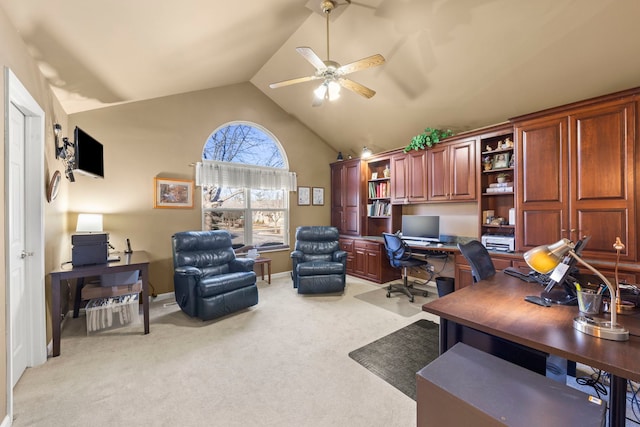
[459,64]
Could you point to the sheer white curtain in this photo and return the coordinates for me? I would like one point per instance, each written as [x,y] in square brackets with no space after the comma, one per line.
[236,175]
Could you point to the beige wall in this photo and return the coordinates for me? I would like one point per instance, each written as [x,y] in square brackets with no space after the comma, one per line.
[14,55]
[162,137]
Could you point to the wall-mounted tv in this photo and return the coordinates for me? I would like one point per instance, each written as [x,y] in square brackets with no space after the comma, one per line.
[88,155]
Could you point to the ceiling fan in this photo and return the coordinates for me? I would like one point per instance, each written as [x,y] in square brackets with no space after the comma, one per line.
[330,71]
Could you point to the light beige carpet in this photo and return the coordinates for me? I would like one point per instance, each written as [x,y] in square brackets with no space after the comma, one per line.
[283,362]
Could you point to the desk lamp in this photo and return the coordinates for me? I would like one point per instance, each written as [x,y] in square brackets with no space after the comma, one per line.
[546,258]
[89,223]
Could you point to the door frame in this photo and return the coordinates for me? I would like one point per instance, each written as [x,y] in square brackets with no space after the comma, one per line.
[17,94]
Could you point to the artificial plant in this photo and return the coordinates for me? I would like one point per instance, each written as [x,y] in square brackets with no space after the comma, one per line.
[427,138]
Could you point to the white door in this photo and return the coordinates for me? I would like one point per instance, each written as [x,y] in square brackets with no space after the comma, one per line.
[17,245]
[24,233]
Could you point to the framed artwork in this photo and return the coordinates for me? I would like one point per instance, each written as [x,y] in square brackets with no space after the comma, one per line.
[304,196]
[172,193]
[318,196]
[501,161]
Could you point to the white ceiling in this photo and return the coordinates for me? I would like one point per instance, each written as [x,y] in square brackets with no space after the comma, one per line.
[461,64]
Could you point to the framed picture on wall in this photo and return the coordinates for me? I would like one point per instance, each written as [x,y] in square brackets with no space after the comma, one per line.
[304,196]
[318,196]
[172,193]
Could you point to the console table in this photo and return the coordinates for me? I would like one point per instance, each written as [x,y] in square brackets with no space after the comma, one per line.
[138,260]
[495,308]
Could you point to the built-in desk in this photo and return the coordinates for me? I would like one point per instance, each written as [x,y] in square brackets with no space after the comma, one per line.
[138,260]
[496,308]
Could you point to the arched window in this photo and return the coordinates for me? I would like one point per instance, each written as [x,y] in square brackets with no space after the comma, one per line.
[238,194]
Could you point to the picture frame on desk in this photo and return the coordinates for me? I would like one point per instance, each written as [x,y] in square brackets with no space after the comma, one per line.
[172,193]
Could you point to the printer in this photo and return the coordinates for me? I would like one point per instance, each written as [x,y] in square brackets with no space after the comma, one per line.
[497,242]
[89,248]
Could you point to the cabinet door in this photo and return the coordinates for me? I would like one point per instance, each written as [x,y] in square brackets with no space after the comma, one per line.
[602,196]
[542,182]
[399,184]
[360,260]
[462,170]
[417,176]
[337,199]
[373,263]
[347,246]
[452,171]
[438,167]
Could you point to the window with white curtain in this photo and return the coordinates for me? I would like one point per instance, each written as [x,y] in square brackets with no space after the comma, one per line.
[245,184]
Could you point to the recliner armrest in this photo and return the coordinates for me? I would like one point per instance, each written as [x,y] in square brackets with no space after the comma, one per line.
[241,264]
[338,256]
[188,271]
[297,254]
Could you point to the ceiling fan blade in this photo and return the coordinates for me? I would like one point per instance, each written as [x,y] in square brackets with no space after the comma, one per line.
[357,88]
[292,81]
[361,64]
[308,54]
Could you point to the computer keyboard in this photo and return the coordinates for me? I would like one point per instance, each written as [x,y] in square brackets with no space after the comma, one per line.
[522,276]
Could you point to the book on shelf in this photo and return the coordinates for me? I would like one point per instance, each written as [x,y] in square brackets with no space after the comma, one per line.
[379,208]
[379,190]
[501,184]
[499,190]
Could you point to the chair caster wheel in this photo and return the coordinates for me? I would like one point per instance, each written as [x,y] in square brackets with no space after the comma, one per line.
[388,294]
[411,299]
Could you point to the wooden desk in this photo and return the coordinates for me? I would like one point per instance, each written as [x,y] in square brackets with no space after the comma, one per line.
[496,307]
[138,260]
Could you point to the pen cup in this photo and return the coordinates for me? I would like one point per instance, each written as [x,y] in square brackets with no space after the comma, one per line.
[589,302]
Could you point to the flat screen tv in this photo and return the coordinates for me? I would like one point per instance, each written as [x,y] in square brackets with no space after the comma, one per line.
[88,155]
[421,227]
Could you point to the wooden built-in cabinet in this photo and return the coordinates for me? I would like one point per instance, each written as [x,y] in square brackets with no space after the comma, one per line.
[409,177]
[346,196]
[381,215]
[577,176]
[497,197]
[367,259]
[452,171]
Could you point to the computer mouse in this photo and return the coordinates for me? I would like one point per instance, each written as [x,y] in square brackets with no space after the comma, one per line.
[440,245]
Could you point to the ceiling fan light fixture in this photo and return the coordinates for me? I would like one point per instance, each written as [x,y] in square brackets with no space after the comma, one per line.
[334,90]
[321,91]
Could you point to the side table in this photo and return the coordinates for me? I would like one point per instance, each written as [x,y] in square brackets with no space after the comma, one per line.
[261,261]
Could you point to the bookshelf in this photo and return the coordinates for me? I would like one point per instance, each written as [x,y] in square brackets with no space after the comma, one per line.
[497,197]
[381,214]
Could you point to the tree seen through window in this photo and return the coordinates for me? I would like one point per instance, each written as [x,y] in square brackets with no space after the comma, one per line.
[254,217]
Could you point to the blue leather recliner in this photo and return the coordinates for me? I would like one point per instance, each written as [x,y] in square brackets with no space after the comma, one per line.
[209,280]
[319,265]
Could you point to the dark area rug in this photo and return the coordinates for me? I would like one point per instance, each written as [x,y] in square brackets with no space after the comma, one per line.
[398,356]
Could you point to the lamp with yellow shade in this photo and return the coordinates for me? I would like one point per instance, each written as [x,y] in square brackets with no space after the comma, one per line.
[547,258]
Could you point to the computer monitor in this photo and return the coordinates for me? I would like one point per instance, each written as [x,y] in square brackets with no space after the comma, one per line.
[421,227]
[560,288]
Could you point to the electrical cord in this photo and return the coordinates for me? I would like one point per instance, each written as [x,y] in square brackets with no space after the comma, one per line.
[594,381]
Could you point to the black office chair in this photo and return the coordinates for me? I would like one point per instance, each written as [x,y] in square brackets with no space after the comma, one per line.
[400,257]
[479,259]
